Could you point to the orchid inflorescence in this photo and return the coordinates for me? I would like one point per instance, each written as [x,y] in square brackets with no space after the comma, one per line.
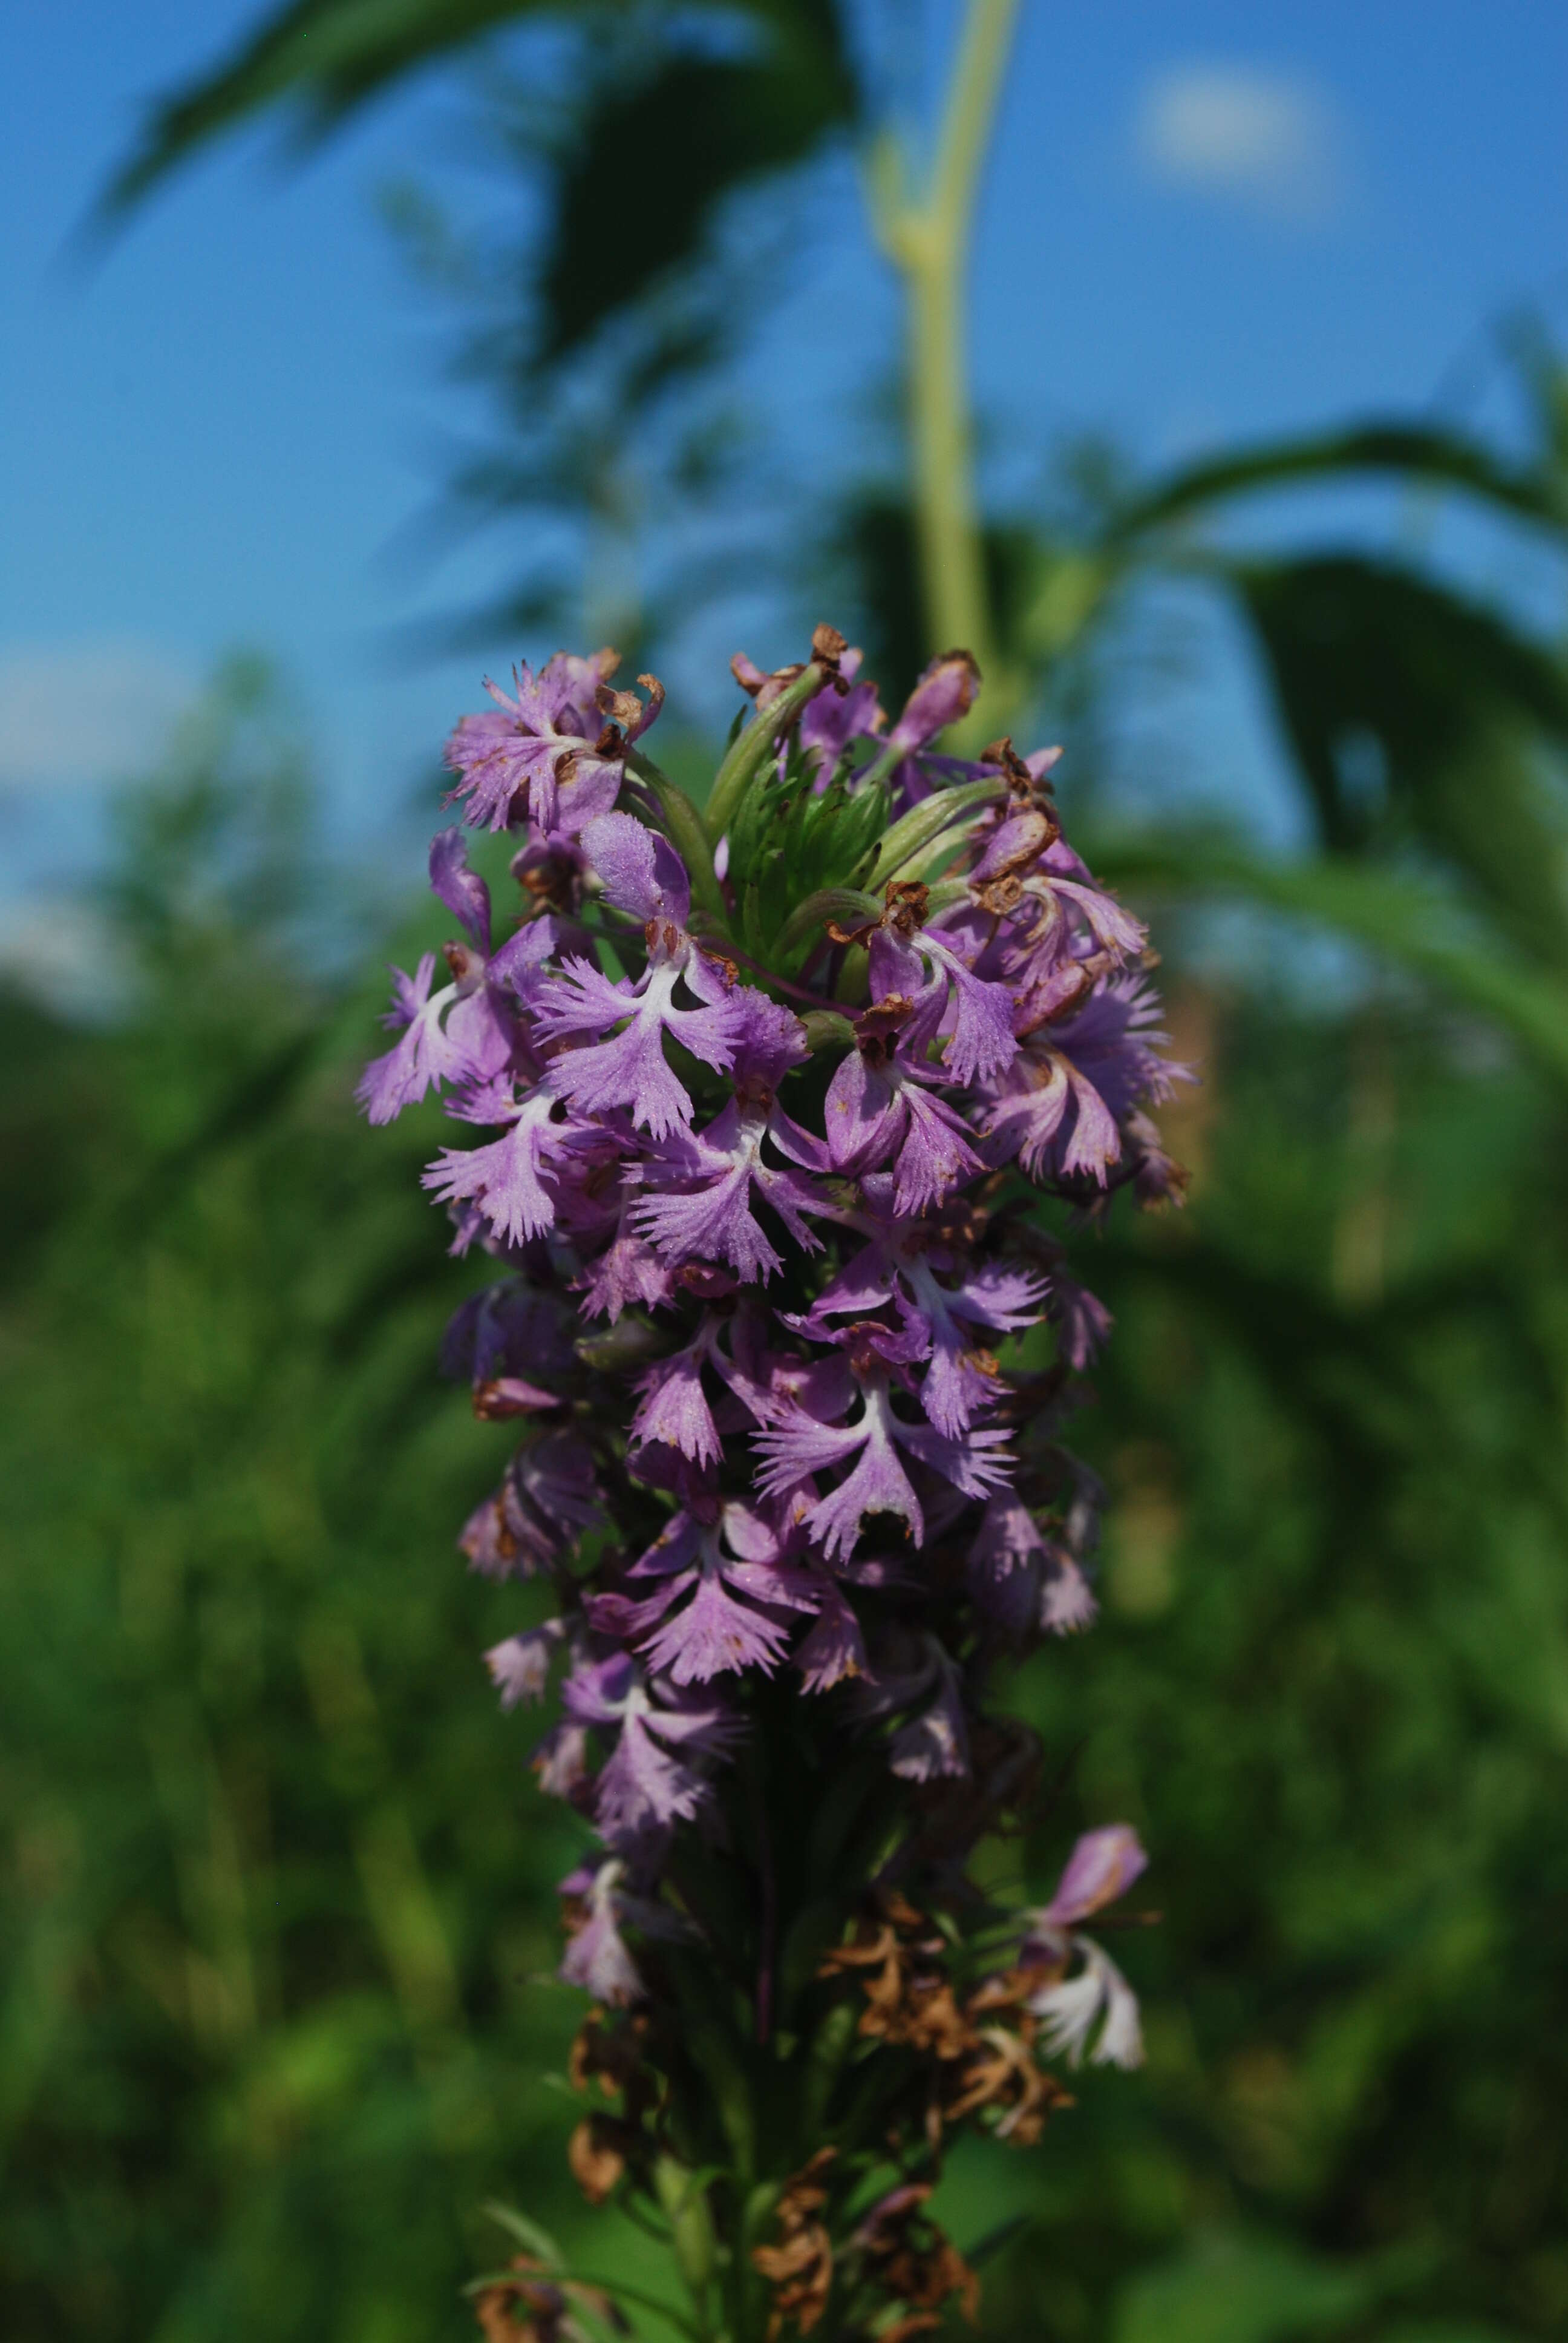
[769,1092]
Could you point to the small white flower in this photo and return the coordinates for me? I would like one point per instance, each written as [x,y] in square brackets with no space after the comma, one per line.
[1072,2008]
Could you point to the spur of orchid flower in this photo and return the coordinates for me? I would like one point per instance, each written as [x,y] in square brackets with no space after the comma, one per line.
[761,1100]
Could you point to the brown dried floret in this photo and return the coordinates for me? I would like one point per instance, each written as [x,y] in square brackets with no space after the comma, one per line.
[1031,789]
[908,1997]
[531,2308]
[1002,2074]
[799,2268]
[905,903]
[595,2156]
[613,2052]
[910,2257]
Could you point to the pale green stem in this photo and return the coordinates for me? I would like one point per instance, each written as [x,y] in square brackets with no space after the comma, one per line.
[752,750]
[928,241]
[916,830]
[838,904]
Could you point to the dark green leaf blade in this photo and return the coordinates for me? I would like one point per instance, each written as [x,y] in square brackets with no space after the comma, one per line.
[1411,710]
[322,59]
[1401,919]
[1437,459]
[650,164]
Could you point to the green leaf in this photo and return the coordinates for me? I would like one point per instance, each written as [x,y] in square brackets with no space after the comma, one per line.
[1400,919]
[787,843]
[648,165]
[323,60]
[686,134]
[1446,2330]
[1237,2288]
[995,2240]
[1365,654]
[1409,451]
[924,821]
[528,2233]
[843,904]
[752,747]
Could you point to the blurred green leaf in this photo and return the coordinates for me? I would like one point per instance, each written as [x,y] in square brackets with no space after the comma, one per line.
[1400,699]
[649,164]
[526,2233]
[1444,2330]
[692,130]
[1403,921]
[1406,451]
[1241,2288]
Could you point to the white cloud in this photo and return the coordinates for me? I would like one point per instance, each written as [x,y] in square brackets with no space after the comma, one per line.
[75,713]
[1273,141]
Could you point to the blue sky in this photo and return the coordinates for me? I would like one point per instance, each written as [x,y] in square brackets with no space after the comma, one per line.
[1201,221]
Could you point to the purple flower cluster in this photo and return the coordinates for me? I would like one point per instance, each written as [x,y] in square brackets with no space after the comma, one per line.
[760,1149]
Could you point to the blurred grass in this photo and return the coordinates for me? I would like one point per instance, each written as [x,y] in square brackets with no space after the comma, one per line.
[279,1921]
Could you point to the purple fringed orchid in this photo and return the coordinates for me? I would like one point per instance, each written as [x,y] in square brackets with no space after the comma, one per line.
[1101,1867]
[754,1121]
[553,749]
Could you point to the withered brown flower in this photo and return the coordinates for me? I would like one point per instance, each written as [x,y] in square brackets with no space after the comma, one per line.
[799,2268]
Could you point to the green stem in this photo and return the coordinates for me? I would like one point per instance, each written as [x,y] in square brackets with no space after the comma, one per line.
[923,822]
[928,241]
[750,750]
[841,903]
[684,2201]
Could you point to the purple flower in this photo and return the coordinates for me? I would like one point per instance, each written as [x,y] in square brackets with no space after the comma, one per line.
[899,1266]
[674,1407]
[508,1326]
[835,1649]
[1066,1603]
[643,874]
[548,1499]
[1006,1565]
[644,1788]
[520,1667]
[545,752]
[701,1208]
[976,1013]
[711,1218]
[640,871]
[631,1070]
[799,1448]
[935,1740]
[508,1179]
[1102,1866]
[881,1107]
[627,1270]
[462,891]
[761,1289]
[719,1591]
[1058,884]
[836,717]
[1082,1320]
[422,1056]
[944,694]
[1060,1104]
[596,1957]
